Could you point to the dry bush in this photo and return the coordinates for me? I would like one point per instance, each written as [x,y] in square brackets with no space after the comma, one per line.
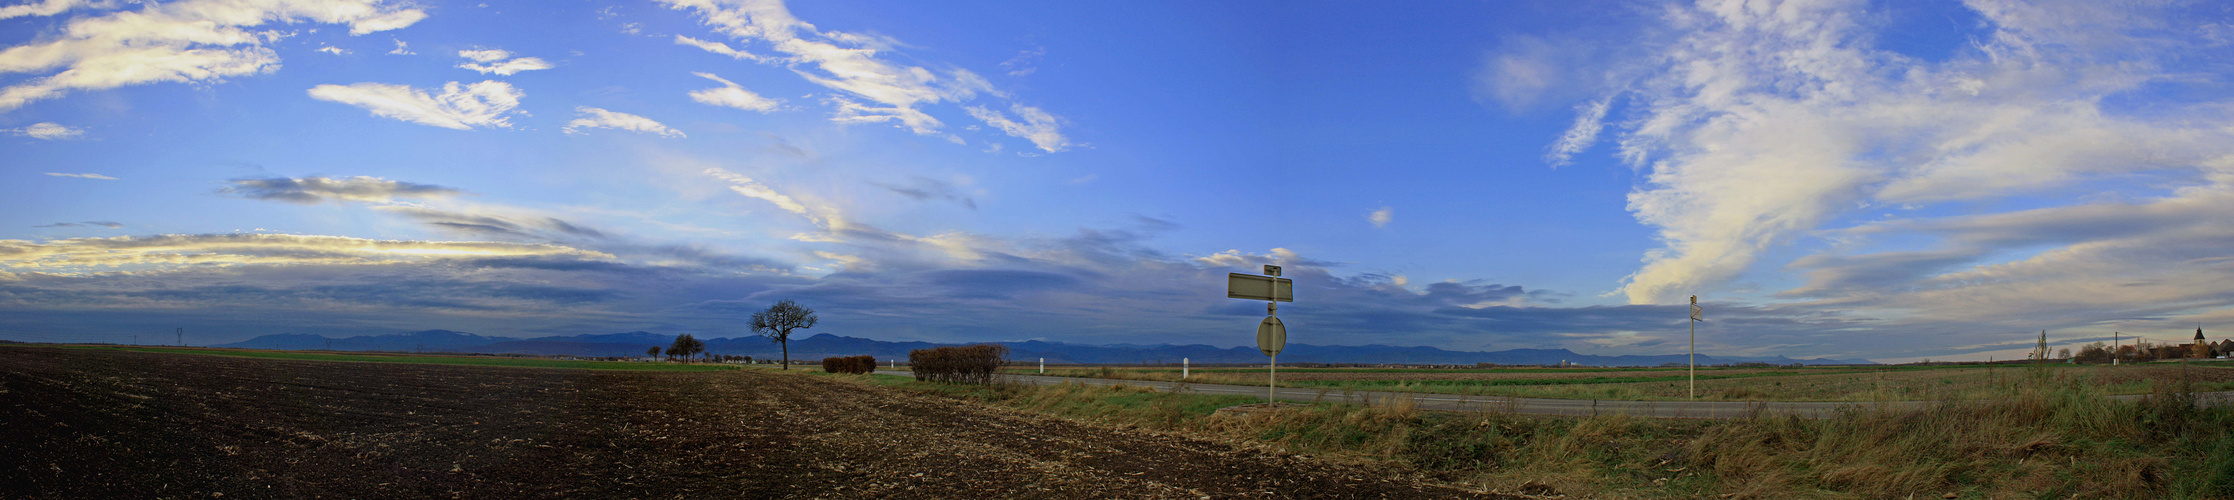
[850,364]
[971,364]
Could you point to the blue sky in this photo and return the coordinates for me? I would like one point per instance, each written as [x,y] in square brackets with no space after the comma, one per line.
[1881,180]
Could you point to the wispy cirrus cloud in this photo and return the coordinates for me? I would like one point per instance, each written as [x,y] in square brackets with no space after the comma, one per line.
[192,41]
[83,176]
[731,95]
[309,190]
[500,62]
[872,89]
[486,104]
[48,131]
[44,8]
[81,255]
[928,189]
[600,118]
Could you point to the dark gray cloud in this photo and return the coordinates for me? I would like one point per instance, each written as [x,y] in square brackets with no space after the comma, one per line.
[308,190]
[928,189]
[517,227]
[90,223]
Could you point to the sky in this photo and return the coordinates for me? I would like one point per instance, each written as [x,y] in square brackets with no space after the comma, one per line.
[1890,181]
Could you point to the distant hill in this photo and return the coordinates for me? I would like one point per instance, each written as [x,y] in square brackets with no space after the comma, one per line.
[825,345]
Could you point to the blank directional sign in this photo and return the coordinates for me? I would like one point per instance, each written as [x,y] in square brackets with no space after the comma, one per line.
[1253,287]
[1271,336]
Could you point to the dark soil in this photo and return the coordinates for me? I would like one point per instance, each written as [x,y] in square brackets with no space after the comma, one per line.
[81,423]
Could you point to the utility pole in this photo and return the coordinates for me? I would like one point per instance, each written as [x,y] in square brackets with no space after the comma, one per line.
[182,337]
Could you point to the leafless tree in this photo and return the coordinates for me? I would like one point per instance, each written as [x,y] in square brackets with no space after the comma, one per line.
[779,320]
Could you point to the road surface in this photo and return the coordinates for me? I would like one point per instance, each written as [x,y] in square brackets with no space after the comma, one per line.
[1532,406]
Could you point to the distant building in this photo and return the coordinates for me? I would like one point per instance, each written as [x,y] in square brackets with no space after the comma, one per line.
[2199,349]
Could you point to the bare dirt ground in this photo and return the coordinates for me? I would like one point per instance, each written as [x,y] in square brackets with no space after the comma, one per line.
[95,423]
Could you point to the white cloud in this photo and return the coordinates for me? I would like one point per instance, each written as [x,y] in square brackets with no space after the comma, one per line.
[83,176]
[874,90]
[82,255]
[1038,126]
[822,216]
[1754,148]
[184,41]
[733,96]
[718,48]
[496,61]
[42,8]
[47,131]
[1381,218]
[461,107]
[333,50]
[402,49]
[599,118]
[1589,118]
[488,55]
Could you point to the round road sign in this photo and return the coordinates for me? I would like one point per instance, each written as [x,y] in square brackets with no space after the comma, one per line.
[1271,335]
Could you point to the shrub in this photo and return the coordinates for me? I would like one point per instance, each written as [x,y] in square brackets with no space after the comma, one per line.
[971,364]
[850,364]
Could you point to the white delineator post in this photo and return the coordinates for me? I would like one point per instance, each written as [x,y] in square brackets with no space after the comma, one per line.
[1182,368]
[1043,365]
[1694,324]
[1272,370]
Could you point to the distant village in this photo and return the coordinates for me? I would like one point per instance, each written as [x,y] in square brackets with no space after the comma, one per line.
[2144,350]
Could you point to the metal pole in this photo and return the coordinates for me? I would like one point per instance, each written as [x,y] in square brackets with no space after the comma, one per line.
[1694,391]
[1272,374]
[2114,349]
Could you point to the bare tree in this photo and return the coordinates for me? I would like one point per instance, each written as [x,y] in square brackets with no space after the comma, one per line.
[779,320]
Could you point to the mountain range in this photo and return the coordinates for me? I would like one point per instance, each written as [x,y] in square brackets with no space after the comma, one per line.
[824,345]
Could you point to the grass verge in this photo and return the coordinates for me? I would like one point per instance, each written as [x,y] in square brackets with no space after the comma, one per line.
[2049,438]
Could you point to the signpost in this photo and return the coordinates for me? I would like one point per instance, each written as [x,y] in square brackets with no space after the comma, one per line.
[1272,336]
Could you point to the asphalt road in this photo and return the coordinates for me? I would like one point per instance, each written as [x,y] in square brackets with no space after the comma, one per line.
[1531,406]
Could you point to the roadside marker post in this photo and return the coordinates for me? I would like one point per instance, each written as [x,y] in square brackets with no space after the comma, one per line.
[1272,336]
[1043,365]
[1694,324]
[1182,368]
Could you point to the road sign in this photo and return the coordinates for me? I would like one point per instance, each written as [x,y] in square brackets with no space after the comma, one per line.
[1271,270]
[1253,287]
[1271,336]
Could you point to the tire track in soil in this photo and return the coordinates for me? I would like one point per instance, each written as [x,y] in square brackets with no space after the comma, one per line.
[97,423]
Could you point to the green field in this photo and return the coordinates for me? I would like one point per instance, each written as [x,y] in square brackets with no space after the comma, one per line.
[426,359]
[1868,383]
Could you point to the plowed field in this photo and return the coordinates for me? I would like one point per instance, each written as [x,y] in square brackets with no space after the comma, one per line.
[100,423]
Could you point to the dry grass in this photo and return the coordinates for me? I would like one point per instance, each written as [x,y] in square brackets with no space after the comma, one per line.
[2047,434]
[1892,383]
